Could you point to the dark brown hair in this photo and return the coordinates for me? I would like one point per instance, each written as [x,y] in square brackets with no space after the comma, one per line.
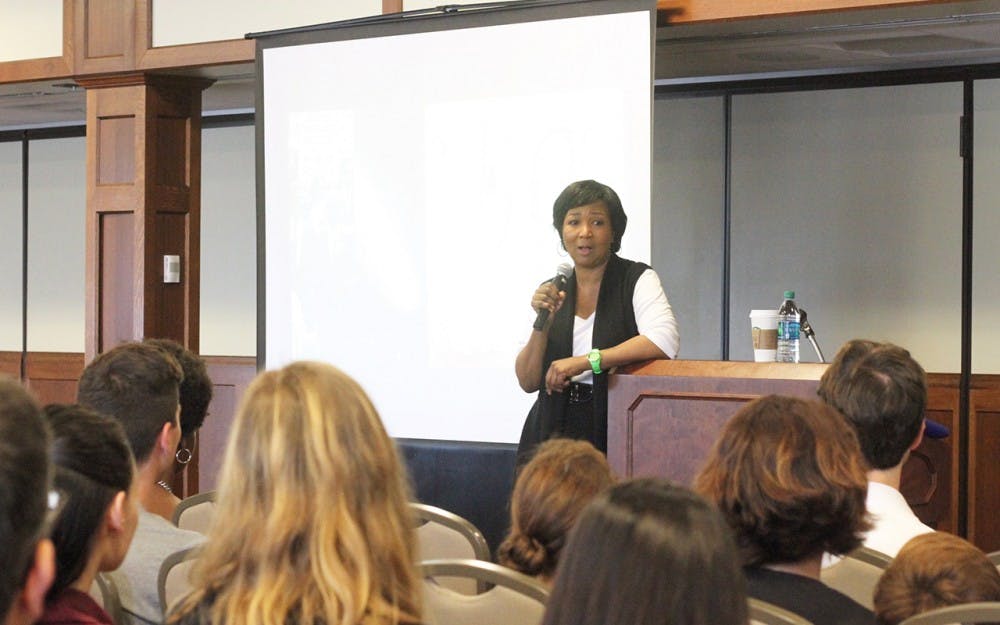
[93,463]
[648,552]
[136,384]
[550,493]
[934,571]
[25,478]
[788,476]
[882,391]
[196,388]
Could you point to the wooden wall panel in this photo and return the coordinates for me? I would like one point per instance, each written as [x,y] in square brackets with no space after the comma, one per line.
[10,364]
[103,36]
[230,378]
[53,377]
[117,286]
[984,453]
[116,156]
[930,476]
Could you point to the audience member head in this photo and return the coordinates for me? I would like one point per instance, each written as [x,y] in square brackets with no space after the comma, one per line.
[550,493]
[882,391]
[137,384]
[932,571]
[648,552]
[311,474]
[93,472]
[25,477]
[195,390]
[584,192]
[788,476]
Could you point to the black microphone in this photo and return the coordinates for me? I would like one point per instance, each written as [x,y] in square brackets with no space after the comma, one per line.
[563,272]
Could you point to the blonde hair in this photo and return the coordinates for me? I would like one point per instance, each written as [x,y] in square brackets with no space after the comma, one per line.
[312,524]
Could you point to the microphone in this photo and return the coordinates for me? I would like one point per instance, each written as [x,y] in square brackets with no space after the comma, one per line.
[563,272]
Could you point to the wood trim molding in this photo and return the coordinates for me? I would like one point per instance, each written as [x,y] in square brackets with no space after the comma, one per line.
[686,11]
[392,6]
[35,69]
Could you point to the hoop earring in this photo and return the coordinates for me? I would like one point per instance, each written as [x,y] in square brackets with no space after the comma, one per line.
[183,455]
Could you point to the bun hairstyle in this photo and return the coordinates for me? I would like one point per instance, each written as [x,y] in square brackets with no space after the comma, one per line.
[551,491]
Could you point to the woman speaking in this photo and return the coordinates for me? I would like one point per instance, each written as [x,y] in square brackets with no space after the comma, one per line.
[612,312]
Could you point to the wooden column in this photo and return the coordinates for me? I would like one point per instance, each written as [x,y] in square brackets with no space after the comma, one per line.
[143,202]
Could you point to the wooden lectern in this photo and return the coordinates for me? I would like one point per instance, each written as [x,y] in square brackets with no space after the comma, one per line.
[664,416]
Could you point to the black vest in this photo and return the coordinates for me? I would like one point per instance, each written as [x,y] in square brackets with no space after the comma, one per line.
[614,324]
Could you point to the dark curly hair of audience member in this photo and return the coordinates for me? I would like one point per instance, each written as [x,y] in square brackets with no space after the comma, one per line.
[882,391]
[551,491]
[788,476]
[196,388]
[934,571]
[648,552]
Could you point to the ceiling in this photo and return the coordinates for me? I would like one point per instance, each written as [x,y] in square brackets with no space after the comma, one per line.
[936,35]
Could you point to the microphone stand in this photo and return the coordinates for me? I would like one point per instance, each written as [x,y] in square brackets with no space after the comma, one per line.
[807,329]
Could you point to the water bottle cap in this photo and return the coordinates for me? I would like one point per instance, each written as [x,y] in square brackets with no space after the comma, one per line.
[789,294]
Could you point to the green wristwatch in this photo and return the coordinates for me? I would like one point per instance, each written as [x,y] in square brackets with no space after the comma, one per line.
[595,360]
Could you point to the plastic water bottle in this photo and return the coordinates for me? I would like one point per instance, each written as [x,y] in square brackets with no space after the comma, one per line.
[788,330]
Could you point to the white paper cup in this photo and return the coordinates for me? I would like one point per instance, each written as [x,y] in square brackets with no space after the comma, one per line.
[764,331]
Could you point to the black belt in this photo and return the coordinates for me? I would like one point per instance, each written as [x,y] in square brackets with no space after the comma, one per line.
[580,393]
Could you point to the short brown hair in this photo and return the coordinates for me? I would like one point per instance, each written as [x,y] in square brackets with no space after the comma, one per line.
[136,384]
[882,391]
[550,493]
[934,571]
[788,476]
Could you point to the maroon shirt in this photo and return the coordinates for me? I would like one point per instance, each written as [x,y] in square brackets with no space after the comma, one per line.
[73,607]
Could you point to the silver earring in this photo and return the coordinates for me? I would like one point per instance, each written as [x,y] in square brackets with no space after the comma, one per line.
[183,455]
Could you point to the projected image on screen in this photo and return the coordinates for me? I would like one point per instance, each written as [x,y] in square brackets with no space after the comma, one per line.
[408,204]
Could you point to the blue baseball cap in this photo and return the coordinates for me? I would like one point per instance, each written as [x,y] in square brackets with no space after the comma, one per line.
[933,429]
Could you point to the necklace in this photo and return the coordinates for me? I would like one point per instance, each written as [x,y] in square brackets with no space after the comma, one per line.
[165,486]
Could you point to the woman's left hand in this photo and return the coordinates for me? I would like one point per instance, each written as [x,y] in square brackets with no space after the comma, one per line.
[561,372]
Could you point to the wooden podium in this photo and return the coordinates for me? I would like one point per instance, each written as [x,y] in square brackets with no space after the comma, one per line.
[664,416]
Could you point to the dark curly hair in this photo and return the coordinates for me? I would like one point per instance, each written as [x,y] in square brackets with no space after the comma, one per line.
[788,475]
[584,192]
[882,391]
[196,387]
[551,491]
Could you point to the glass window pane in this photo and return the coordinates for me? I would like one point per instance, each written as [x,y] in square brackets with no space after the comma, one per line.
[853,199]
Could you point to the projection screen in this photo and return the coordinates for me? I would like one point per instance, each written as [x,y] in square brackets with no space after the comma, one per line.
[406,175]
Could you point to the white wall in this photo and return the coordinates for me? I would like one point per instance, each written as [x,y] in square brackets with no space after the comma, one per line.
[228,242]
[852,198]
[30,29]
[231,19]
[10,246]
[986,228]
[57,211]
[687,219]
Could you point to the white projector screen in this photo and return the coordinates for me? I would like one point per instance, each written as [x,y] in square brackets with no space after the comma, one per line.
[408,182]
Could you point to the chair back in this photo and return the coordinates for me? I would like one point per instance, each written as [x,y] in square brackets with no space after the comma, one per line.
[443,535]
[174,581]
[513,599]
[994,557]
[856,574]
[105,593]
[764,613]
[195,512]
[984,612]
